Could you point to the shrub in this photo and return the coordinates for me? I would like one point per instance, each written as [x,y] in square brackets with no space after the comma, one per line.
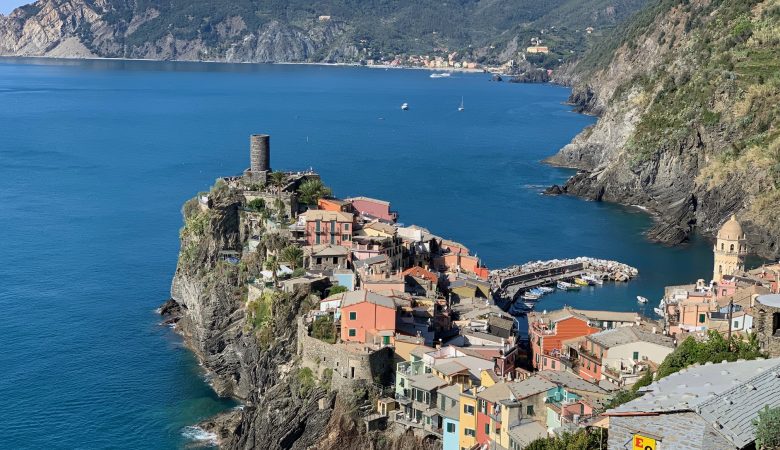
[337,289]
[768,428]
[324,329]
[305,381]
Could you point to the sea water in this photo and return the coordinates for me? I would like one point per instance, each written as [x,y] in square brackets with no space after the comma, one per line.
[97,157]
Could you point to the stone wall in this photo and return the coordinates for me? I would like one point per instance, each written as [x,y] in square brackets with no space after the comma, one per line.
[681,431]
[347,364]
[764,324]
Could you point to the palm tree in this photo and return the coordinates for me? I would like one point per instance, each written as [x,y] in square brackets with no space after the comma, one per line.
[278,180]
[272,264]
[312,190]
[292,255]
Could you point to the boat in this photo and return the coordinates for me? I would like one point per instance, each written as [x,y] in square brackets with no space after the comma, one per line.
[405,106]
[641,299]
[440,75]
[574,287]
[461,107]
[592,280]
[546,289]
[659,311]
[529,296]
[581,282]
[564,286]
[529,305]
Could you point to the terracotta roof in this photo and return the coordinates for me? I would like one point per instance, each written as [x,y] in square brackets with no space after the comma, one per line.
[419,272]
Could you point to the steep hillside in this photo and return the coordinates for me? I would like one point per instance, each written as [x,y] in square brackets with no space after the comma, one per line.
[688,95]
[305,30]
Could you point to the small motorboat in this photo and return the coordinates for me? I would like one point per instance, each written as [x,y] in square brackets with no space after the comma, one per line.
[564,286]
[461,107]
[529,296]
[641,299]
[405,106]
[546,289]
[592,280]
[659,311]
[581,282]
[441,75]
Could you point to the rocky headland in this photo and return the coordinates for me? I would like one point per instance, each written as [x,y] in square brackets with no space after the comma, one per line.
[257,363]
[687,100]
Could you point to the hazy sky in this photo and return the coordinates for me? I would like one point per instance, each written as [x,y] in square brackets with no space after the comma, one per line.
[7,6]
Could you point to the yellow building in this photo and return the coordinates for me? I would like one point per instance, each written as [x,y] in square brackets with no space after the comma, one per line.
[468,418]
[730,250]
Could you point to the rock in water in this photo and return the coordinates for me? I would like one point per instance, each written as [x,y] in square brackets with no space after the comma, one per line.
[553,190]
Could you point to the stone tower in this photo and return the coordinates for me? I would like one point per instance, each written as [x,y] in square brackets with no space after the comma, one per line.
[730,250]
[259,157]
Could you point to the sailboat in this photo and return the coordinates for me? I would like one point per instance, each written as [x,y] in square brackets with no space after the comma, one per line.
[461,107]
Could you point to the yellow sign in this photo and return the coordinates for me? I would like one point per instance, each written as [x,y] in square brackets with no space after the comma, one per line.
[643,442]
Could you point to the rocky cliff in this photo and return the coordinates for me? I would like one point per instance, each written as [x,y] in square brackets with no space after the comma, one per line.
[687,96]
[256,363]
[303,30]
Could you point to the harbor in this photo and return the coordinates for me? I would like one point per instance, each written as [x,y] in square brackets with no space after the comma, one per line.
[519,287]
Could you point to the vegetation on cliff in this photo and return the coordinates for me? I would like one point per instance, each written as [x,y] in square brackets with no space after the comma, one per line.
[302,30]
[689,93]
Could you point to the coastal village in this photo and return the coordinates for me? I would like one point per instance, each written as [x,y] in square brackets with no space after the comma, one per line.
[460,355]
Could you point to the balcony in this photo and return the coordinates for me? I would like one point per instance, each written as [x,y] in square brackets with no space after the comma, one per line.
[410,368]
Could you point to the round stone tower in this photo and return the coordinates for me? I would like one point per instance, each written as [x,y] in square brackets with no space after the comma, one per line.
[259,158]
[260,152]
[730,250]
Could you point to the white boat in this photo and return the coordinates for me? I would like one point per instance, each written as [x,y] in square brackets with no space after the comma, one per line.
[440,75]
[659,311]
[641,299]
[461,107]
[530,296]
[405,106]
[564,286]
[592,280]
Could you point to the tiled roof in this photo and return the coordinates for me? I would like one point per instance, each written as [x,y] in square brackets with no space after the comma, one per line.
[378,259]
[326,250]
[726,395]
[529,387]
[320,214]
[419,272]
[628,335]
[426,381]
[450,368]
[496,393]
[570,381]
[382,227]
[355,297]
[527,432]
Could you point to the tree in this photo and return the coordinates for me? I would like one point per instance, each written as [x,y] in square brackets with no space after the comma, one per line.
[278,180]
[272,264]
[274,242]
[324,329]
[337,289]
[768,428]
[292,255]
[581,440]
[312,190]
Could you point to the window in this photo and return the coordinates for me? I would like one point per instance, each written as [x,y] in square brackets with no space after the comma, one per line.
[352,332]
[731,249]
[553,365]
[636,356]
[450,427]
[545,361]
[483,406]
[332,238]
[335,260]
[529,410]
[736,324]
[346,226]
[319,260]
[353,315]
[317,226]
[317,238]
[401,383]
[487,428]
[344,237]
[468,409]
[702,318]
[470,432]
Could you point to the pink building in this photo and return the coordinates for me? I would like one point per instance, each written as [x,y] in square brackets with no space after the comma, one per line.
[374,208]
[368,318]
[328,227]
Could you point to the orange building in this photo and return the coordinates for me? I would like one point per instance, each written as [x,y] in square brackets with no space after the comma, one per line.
[368,318]
[334,204]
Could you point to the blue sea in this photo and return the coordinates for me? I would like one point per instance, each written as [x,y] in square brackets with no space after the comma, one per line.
[97,157]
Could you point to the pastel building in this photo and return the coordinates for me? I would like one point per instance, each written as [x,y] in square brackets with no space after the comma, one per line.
[374,208]
[327,227]
[367,317]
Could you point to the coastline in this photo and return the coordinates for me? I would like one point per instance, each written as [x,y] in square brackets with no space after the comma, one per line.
[199,61]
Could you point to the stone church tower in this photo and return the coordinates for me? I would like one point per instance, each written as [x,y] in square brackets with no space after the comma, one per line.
[730,250]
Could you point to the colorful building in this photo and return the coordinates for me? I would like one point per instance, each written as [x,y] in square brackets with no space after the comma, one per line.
[367,317]
[373,208]
[327,227]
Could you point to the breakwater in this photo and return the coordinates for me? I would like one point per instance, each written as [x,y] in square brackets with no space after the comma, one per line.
[508,282]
